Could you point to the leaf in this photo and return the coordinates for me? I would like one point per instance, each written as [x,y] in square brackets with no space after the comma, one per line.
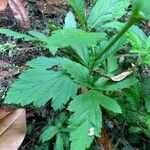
[19,12]
[4,111]
[144,11]
[70,21]
[3,5]
[39,84]
[109,104]
[105,84]
[78,6]
[133,96]
[121,76]
[79,73]
[112,64]
[80,44]
[59,144]
[87,115]
[38,35]
[43,38]
[70,38]
[49,133]
[16,35]
[144,86]
[147,103]
[116,47]
[105,11]
[13,130]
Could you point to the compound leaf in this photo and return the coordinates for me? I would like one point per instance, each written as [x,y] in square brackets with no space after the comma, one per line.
[105,11]
[37,86]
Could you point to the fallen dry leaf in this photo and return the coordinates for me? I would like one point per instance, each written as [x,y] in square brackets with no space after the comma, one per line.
[121,76]
[18,9]
[4,111]
[104,140]
[19,12]
[3,4]
[12,130]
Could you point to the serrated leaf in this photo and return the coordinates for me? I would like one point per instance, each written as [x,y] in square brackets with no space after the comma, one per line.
[38,35]
[87,115]
[110,104]
[38,86]
[106,84]
[43,38]
[45,62]
[70,38]
[85,39]
[49,133]
[79,73]
[16,35]
[105,11]
[133,97]
[78,6]
[70,21]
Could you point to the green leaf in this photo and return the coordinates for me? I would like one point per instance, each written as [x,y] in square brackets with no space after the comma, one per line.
[38,35]
[116,47]
[43,38]
[145,86]
[87,115]
[59,144]
[105,84]
[147,103]
[78,39]
[70,38]
[144,11]
[49,133]
[105,11]
[112,64]
[133,97]
[79,73]
[140,44]
[70,21]
[16,35]
[78,6]
[38,85]
[109,104]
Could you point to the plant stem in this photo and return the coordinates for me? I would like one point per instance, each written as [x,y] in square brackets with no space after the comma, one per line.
[132,20]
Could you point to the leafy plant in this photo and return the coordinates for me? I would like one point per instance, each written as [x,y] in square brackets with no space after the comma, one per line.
[80,84]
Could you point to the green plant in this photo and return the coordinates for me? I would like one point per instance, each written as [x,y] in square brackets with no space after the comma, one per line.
[83,82]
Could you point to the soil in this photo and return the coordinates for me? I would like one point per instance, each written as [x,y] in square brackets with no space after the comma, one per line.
[22,52]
